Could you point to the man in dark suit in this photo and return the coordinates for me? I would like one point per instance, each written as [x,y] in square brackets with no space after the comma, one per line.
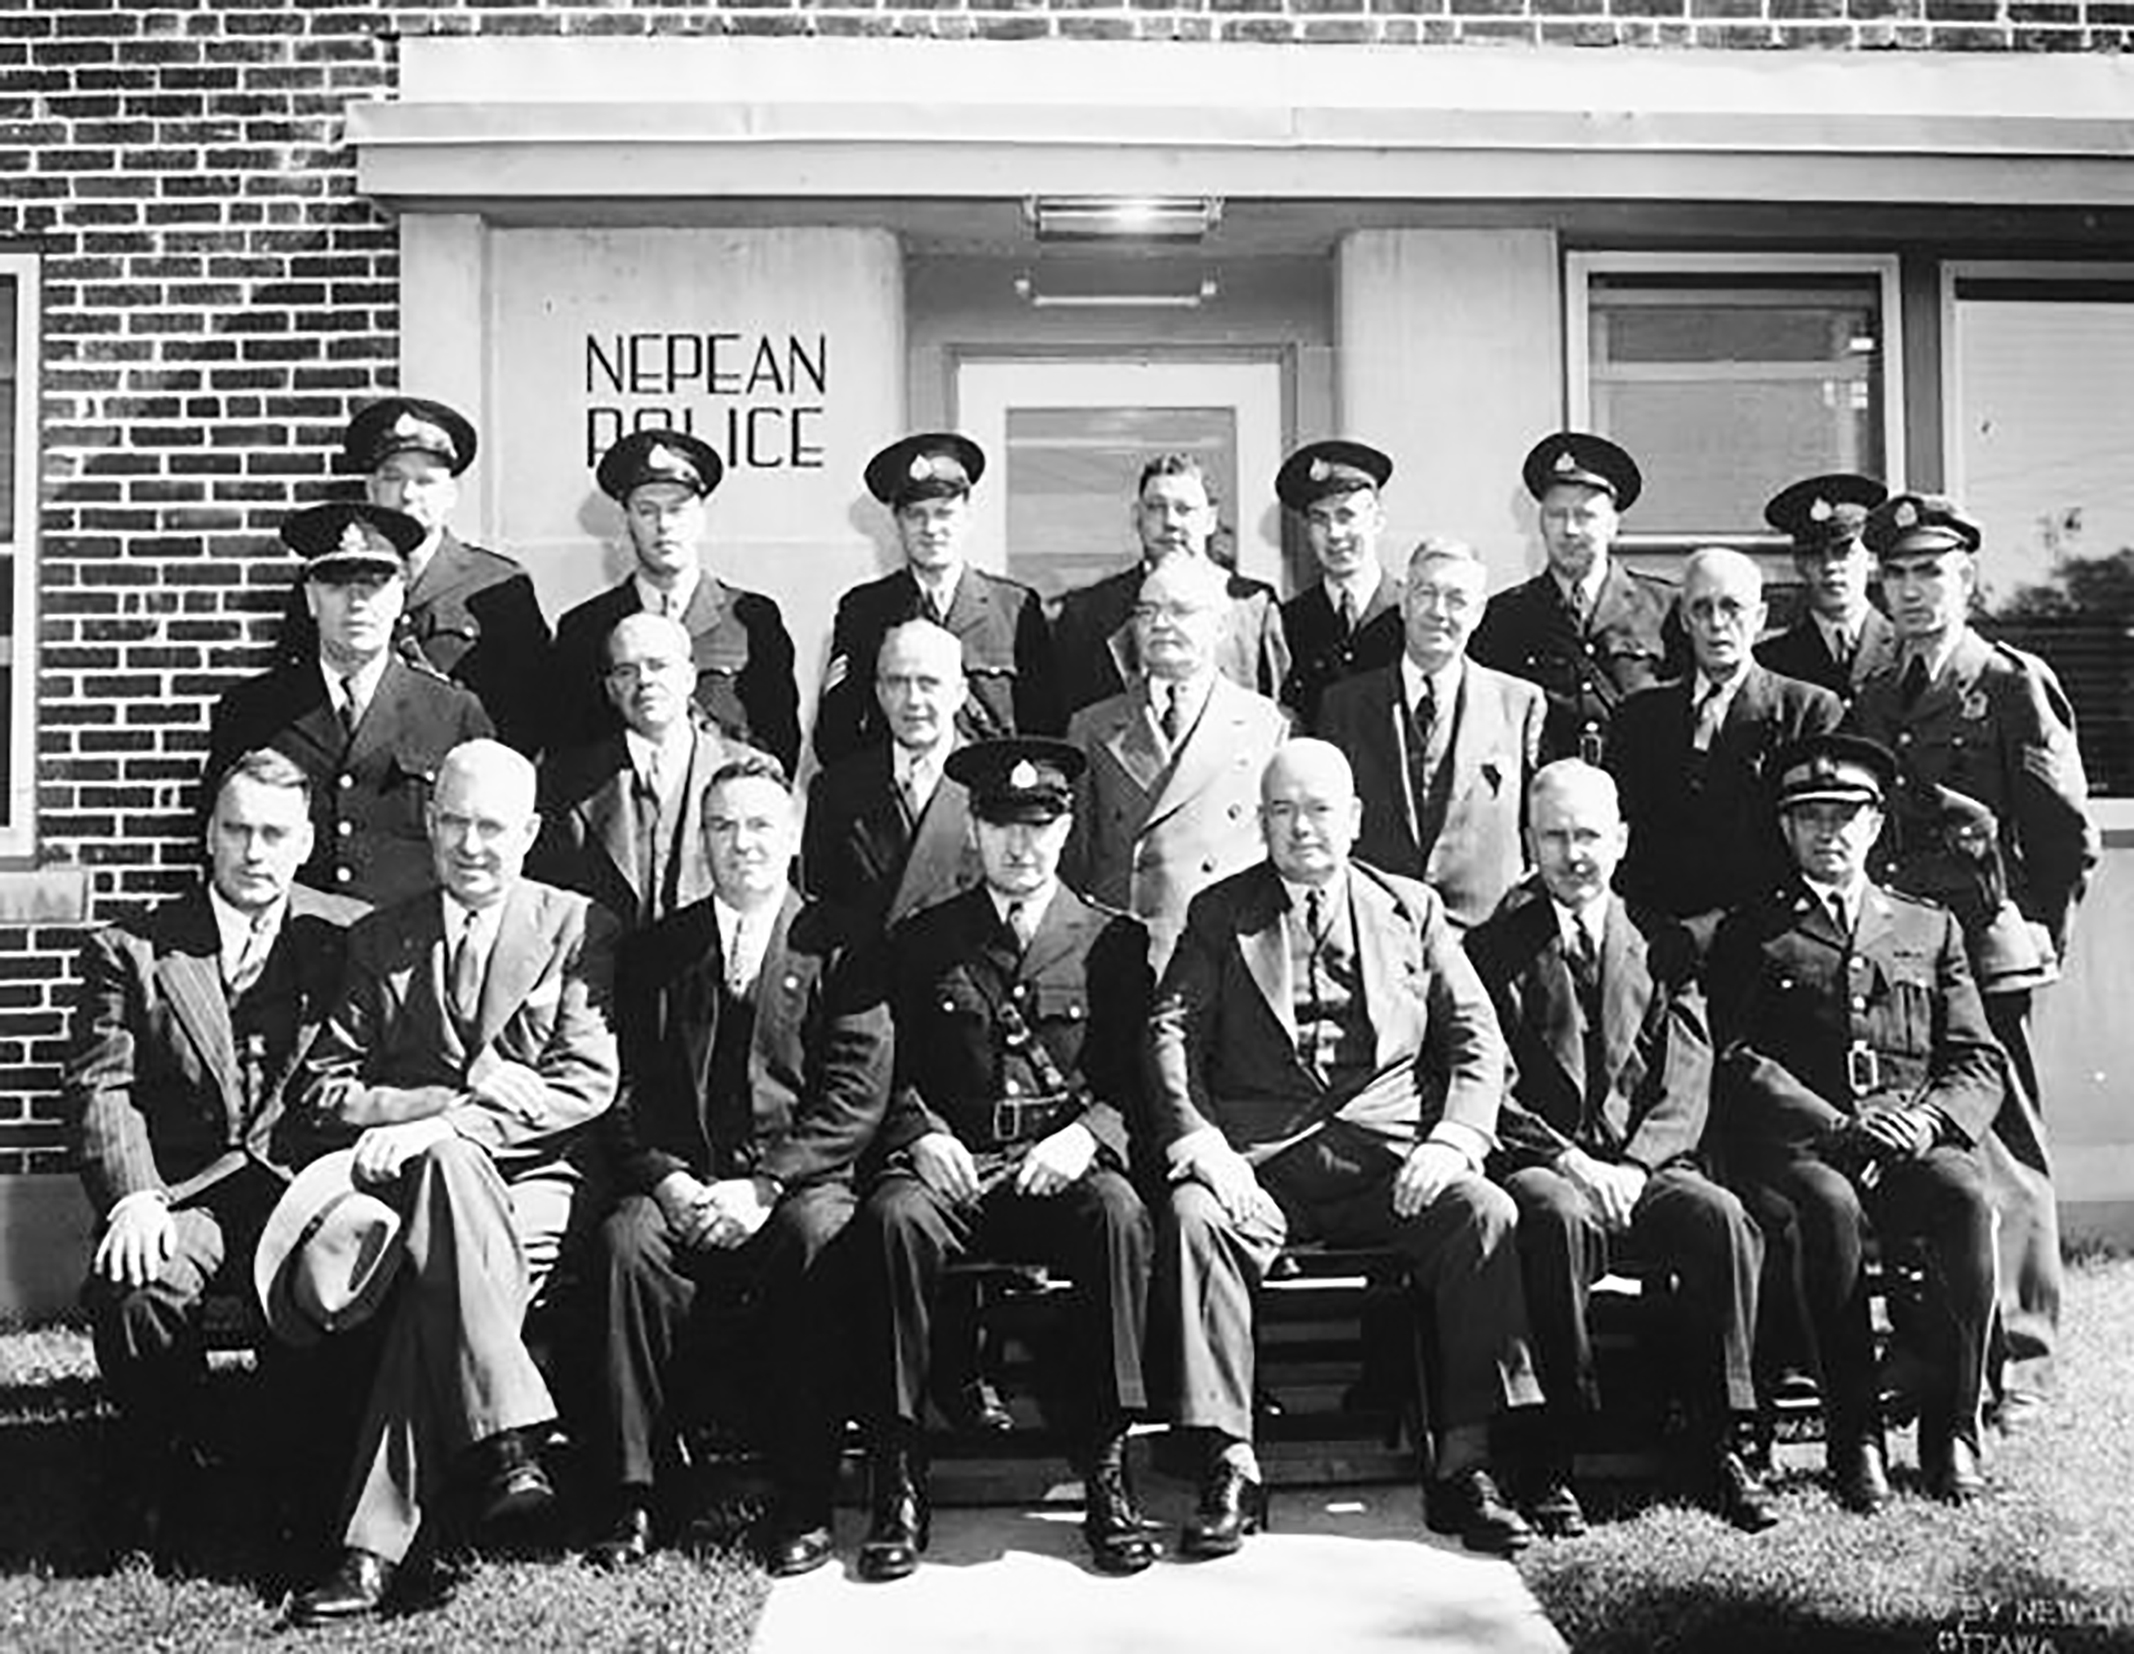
[1348,620]
[1991,818]
[1586,628]
[1174,517]
[1164,802]
[367,726]
[469,1055]
[470,613]
[743,654]
[1442,748]
[1018,1011]
[1011,685]
[1692,757]
[620,817]
[1842,639]
[1612,1069]
[1856,1075]
[1328,1068]
[755,1055]
[888,832]
[189,1024]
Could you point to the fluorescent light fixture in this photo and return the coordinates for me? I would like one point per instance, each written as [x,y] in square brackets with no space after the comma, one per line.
[1186,298]
[1176,218]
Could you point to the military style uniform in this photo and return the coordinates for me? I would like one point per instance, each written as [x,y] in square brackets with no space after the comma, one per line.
[1323,652]
[1823,517]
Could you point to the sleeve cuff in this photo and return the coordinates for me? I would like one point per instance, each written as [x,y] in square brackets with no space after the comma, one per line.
[1473,1144]
[140,1197]
[1193,1145]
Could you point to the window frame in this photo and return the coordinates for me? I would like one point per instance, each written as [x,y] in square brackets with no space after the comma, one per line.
[1581,267]
[18,835]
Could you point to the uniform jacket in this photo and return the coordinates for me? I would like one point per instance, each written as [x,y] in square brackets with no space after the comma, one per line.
[744,660]
[1007,660]
[1656,1046]
[1627,642]
[1995,726]
[1322,655]
[1223,1040]
[1800,652]
[818,1062]
[155,1079]
[1148,834]
[1790,997]
[588,836]
[1479,852]
[862,852]
[391,1050]
[1701,842]
[368,791]
[1093,638]
[1082,987]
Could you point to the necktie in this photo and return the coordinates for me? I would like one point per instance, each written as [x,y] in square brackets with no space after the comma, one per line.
[1706,729]
[742,961]
[1839,917]
[1173,720]
[1019,925]
[467,963]
[1422,721]
[1585,959]
[1315,918]
[1348,611]
[251,957]
[648,840]
[351,713]
[1841,649]
[1915,681]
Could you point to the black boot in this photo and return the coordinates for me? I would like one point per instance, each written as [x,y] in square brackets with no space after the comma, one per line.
[902,1519]
[1111,1519]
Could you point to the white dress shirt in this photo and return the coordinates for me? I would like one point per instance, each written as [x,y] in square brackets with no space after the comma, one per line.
[675,603]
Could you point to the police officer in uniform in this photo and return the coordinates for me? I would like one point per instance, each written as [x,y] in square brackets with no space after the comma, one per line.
[1842,639]
[471,613]
[744,656]
[926,482]
[1586,629]
[1348,620]
[1856,1076]
[1992,819]
[367,725]
[1018,1009]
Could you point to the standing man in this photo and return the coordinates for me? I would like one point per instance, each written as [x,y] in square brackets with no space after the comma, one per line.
[999,624]
[1164,803]
[1586,628]
[1174,518]
[1612,1068]
[1328,1068]
[1347,621]
[1693,757]
[367,726]
[619,816]
[755,1060]
[888,831]
[470,613]
[738,641]
[1019,1009]
[1843,639]
[1856,1075]
[1442,748]
[466,1060]
[1991,817]
[189,1024]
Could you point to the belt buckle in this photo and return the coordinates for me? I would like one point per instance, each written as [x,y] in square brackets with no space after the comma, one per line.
[1863,1068]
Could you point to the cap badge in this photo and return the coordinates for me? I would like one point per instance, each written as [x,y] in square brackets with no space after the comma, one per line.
[1565,461]
[1321,470]
[920,468]
[354,542]
[1906,515]
[1024,776]
[1820,511]
[412,428]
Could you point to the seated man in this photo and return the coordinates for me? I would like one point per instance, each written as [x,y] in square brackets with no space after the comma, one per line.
[1612,1071]
[755,1060]
[1018,1010]
[1856,1076]
[189,1024]
[468,1055]
[1327,1068]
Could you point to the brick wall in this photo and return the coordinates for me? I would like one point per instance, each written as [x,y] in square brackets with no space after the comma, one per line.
[216,300]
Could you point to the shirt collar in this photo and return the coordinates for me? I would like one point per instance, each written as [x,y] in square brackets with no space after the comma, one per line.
[1938,658]
[1333,890]
[1701,686]
[233,925]
[653,601]
[940,592]
[904,760]
[1193,695]
[1837,638]
[1361,586]
[362,683]
[642,748]
[1853,894]
[1593,917]
[1444,682]
[457,914]
[1585,592]
[1033,905]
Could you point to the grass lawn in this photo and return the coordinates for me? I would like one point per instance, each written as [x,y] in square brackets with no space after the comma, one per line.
[2046,1562]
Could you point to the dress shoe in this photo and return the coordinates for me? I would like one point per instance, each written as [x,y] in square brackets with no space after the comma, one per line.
[628,1540]
[975,1407]
[514,1486]
[1739,1495]
[1949,1464]
[786,1548]
[1111,1519]
[902,1519]
[1468,1504]
[1231,1506]
[1553,1509]
[1857,1470]
[356,1587]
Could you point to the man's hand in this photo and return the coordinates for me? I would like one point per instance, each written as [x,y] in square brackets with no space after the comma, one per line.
[1897,1133]
[739,1209]
[138,1243]
[1056,1161]
[382,1150]
[1611,1189]
[1229,1177]
[945,1166]
[1424,1175]
[685,1202]
[510,1086]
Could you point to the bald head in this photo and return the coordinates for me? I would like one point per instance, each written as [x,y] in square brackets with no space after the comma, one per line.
[482,821]
[919,681]
[1722,609]
[1309,811]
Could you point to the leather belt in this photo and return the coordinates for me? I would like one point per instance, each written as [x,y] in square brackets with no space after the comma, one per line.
[1024,1119]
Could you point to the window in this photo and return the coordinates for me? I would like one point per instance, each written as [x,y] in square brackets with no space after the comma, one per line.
[2039,430]
[18,531]
[1728,377]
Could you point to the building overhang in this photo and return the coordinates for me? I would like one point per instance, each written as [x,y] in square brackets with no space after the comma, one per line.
[484,121]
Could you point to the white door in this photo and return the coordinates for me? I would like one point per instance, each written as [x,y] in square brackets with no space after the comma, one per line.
[1065,440]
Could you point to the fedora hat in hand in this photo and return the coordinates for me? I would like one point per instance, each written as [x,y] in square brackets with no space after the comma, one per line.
[328,1254]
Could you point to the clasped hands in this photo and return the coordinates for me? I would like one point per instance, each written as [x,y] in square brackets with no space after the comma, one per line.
[1884,1131]
[1611,1188]
[722,1215]
[1049,1165]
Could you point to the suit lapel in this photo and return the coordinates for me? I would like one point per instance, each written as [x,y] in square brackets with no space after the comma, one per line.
[1132,745]
[191,979]
[610,815]
[1477,733]
[1385,954]
[520,954]
[1067,917]
[939,848]
[1626,990]
[381,718]
[1388,732]
[1205,750]
[693,874]
[1874,921]
[1264,944]
[782,985]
